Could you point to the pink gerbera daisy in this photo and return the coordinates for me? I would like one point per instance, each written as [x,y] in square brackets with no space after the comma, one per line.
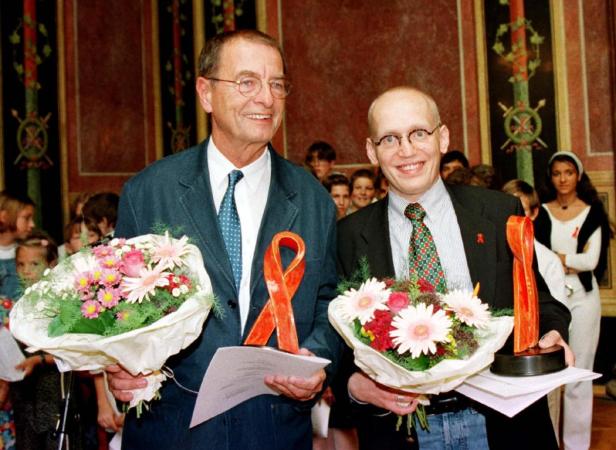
[168,252]
[138,289]
[362,303]
[468,308]
[90,309]
[417,329]
[109,297]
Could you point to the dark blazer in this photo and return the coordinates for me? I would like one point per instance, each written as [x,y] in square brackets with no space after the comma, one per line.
[482,216]
[176,192]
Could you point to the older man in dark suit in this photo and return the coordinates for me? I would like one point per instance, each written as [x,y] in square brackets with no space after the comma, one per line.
[242,85]
[467,225]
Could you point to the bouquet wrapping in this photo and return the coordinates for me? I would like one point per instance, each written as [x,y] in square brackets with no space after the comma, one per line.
[149,267]
[422,337]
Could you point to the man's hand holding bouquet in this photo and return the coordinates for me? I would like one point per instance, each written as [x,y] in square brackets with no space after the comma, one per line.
[407,337]
[130,302]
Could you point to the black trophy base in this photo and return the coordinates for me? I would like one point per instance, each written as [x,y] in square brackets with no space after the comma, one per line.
[534,361]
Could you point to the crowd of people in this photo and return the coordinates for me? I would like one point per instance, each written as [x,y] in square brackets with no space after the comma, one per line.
[242,84]
[30,409]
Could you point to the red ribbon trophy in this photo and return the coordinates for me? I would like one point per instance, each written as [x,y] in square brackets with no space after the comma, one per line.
[277,312]
[527,358]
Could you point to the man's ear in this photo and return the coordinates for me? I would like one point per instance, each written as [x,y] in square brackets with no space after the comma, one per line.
[204,92]
[443,139]
[371,152]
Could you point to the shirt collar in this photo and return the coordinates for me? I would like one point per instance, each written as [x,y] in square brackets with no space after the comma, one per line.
[432,201]
[220,166]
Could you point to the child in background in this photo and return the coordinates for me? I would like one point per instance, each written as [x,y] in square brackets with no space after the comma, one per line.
[102,208]
[338,187]
[78,232]
[16,222]
[363,189]
[37,398]
[77,203]
[320,159]
[7,426]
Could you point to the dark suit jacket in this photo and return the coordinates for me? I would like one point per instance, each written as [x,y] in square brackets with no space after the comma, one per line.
[176,192]
[490,262]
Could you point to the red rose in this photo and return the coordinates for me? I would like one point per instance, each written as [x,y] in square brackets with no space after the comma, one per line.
[397,301]
[132,263]
[424,286]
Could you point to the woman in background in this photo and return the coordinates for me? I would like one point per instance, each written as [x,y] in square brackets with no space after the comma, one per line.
[574,224]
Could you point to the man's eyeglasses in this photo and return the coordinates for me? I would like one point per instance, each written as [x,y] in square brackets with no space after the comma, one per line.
[415,137]
[251,86]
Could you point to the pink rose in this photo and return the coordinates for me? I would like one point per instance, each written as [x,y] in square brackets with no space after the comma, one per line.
[397,301]
[132,263]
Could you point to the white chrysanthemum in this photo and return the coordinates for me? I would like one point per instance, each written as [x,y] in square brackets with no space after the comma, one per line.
[168,252]
[468,308]
[362,303]
[418,328]
[140,288]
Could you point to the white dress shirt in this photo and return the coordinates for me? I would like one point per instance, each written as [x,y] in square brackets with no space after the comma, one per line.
[250,199]
[442,222]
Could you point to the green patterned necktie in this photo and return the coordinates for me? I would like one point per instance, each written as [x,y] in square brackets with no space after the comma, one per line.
[424,262]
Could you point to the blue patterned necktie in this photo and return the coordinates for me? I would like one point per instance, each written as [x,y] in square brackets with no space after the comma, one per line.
[229,222]
[423,257]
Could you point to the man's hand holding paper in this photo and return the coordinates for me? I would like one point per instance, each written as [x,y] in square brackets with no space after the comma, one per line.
[297,388]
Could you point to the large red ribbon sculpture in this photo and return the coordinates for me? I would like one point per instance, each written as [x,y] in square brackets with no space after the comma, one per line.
[277,312]
[520,237]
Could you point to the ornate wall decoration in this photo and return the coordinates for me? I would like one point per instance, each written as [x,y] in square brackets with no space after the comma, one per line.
[29,116]
[521,87]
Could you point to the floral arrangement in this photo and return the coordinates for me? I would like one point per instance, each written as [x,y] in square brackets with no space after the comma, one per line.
[131,302]
[118,287]
[411,324]
[407,336]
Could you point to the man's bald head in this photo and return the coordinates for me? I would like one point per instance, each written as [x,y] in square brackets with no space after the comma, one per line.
[397,91]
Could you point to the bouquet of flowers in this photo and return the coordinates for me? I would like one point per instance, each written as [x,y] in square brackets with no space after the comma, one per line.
[407,336]
[134,302]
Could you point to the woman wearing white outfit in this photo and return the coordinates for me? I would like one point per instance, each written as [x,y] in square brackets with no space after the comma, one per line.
[573,223]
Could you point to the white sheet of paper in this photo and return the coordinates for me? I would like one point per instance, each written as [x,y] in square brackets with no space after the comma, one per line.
[116,441]
[236,374]
[510,395]
[11,356]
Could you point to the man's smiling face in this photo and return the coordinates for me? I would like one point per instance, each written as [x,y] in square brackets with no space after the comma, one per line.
[411,169]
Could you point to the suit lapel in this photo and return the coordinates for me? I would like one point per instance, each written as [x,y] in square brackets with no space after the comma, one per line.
[375,235]
[479,238]
[198,205]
